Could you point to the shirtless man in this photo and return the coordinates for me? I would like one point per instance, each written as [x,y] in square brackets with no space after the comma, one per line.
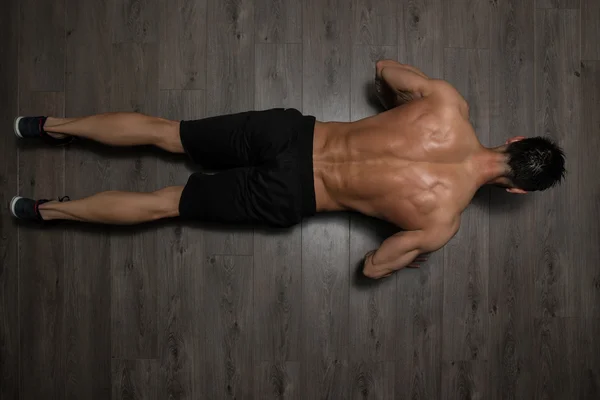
[416,165]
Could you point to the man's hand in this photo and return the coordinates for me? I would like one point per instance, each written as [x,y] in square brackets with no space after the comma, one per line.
[397,84]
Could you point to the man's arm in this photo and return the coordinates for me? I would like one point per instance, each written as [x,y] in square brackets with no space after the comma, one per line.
[398,84]
[402,249]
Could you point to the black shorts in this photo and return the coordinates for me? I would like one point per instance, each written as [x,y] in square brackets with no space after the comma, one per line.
[263,164]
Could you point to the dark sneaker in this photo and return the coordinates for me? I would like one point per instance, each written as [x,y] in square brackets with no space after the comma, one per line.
[33,128]
[28,209]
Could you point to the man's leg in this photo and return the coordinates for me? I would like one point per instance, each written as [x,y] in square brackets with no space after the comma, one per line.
[119,208]
[119,129]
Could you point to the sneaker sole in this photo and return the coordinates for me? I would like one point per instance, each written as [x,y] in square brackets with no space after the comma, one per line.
[13,203]
[16,127]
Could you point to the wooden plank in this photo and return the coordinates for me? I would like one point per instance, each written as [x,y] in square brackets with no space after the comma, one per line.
[278,21]
[325,239]
[41,287]
[373,381]
[134,379]
[278,381]
[278,72]
[590,30]
[179,277]
[421,35]
[555,357]
[420,292]
[466,256]
[364,102]
[325,281]
[182,41]
[42,46]
[134,21]
[465,380]
[9,229]
[278,253]
[467,23]
[587,235]
[511,278]
[570,4]
[375,22]
[87,265]
[230,88]
[587,371]
[228,367]
[133,250]
[558,114]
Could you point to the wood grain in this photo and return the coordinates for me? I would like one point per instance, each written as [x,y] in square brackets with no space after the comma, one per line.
[571,4]
[278,72]
[467,24]
[133,253]
[375,22]
[179,276]
[511,279]
[42,46]
[590,30]
[587,204]
[278,21]
[227,364]
[372,380]
[555,355]
[364,102]
[465,380]
[325,281]
[134,379]
[558,115]
[230,88]
[41,173]
[9,229]
[134,21]
[182,44]
[278,381]
[421,37]
[466,256]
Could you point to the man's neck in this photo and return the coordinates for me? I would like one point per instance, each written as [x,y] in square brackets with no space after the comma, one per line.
[488,166]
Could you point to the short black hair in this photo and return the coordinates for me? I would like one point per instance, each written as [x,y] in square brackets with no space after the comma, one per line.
[536,163]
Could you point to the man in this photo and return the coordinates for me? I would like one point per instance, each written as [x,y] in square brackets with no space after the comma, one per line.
[416,165]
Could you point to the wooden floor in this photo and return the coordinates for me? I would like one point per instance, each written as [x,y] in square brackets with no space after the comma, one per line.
[510,309]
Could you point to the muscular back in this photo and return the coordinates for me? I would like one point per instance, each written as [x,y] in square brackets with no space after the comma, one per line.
[405,165]
[410,165]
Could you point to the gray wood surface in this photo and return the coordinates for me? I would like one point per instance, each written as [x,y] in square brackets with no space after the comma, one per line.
[509,309]
[558,115]
[9,231]
[511,280]
[375,22]
[182,44]
[41,310]
[467,23]
[278,21]
[134,379]
[590,30]
[42,45]
[571,4]
[134,265]
[227,369]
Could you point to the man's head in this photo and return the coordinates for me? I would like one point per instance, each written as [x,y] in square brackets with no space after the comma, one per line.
[533,164]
